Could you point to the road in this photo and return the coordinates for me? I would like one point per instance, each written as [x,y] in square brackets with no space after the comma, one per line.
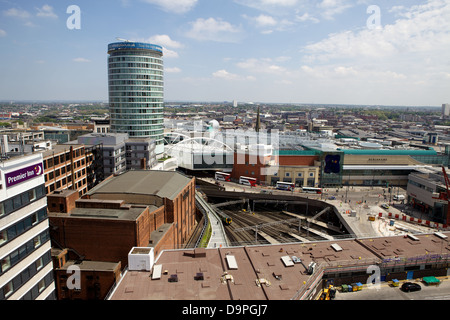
[387,292]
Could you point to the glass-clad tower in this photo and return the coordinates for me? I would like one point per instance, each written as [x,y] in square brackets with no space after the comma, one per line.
[136,90]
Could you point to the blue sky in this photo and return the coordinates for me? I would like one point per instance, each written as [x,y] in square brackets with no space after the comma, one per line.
[374,52]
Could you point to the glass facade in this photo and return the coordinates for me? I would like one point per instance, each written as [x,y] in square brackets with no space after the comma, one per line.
[136,90]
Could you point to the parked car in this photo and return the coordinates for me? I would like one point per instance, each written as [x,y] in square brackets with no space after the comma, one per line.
[385,206]
[410,286]
[332,198]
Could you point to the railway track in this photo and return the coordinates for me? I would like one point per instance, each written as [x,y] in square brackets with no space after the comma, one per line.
[271,228]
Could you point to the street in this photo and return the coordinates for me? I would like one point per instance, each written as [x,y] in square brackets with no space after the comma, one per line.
[387,292]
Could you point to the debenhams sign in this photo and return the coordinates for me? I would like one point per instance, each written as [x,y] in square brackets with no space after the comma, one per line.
[24,174]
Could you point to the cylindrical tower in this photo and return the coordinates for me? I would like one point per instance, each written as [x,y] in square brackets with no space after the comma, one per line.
[136,90]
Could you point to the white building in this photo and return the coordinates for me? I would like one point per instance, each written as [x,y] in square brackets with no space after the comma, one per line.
[26,268]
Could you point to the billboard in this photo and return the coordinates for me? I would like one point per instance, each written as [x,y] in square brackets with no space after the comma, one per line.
[134,45]
[24,174]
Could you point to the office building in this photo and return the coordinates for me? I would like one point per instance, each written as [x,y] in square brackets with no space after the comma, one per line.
[136,90]
[26,269]
[66,167]
[121,153]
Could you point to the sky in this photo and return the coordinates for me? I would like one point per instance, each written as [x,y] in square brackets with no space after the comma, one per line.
[364,52]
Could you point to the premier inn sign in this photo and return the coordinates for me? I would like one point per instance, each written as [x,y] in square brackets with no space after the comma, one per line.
[23,175]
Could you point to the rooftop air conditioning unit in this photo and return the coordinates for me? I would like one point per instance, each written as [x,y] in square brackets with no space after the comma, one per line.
[141,259]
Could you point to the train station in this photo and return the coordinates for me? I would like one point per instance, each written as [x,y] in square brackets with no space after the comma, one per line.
[280,247]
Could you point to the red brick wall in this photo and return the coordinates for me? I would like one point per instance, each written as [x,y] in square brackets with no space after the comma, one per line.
[243,167]
[297,160]
[95,284]
[181,212]
[147,223]
[96,239]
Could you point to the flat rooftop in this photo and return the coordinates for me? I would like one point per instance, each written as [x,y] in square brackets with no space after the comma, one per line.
[165,184]
[129,214]
[267,272]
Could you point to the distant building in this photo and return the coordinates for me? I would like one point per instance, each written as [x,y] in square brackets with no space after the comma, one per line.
[423,190]
[26,270]
[136,90]
[445,110]
[121,153]
[68,167]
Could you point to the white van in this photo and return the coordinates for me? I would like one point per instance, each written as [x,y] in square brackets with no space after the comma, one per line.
[400,197]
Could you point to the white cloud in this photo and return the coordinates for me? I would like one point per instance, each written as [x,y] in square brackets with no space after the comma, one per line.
[263,65]
[224,74]
[330,8]
[81,60]
[306,17]
[212,29]
[268,23]
[169,53]
[17,13]
[2,33]
[165,41]
[174,6]
[172,70]
[46,12]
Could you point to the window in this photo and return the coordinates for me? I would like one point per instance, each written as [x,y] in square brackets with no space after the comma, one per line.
[300,174]
[3,236]
[311,174]
[41,285]
[287,174]
[6,263]
[8,289]
[37,241]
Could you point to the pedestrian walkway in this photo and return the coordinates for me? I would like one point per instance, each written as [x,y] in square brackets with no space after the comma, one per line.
[218,238]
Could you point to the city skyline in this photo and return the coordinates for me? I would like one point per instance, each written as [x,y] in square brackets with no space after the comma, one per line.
[274,51]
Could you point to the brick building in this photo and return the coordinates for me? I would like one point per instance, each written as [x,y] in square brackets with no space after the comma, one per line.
[135,209]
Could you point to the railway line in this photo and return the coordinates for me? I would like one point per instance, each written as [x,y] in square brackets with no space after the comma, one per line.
[269,227]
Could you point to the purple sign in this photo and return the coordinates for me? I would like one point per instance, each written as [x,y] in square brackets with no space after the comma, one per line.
[23,175]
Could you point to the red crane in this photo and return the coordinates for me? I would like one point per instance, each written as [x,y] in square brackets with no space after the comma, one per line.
[446,196]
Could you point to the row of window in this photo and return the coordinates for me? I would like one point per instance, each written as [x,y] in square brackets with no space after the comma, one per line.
[23,251]
[135,88]
[62,171]
[26,274]
[135,94]
[155,124]
[421,186]
[21,200]
[299,174]
[135,71]
[22,226]
[65,183]
[135,59]
[146,83]
[136,65]
[136,77]
[62,158]
[145,100]
[156,136]
[136,116]
[136,53]
[133,108]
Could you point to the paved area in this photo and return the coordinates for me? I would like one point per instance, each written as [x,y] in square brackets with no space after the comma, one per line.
[218,238]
